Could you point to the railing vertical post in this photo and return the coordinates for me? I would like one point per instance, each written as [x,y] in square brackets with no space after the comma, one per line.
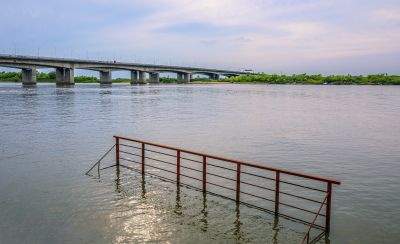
[204,173]
[277,181]
[143,158]
[178,166]
[117,150]
[328,208]
[238,183]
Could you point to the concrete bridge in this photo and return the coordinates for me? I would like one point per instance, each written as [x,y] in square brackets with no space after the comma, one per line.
[65,69]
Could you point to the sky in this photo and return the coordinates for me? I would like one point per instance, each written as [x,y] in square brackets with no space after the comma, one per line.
[271,36]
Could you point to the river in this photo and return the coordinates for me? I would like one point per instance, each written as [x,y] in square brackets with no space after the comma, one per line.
[50,136]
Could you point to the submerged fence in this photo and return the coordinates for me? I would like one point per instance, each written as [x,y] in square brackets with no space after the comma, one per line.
[275,190]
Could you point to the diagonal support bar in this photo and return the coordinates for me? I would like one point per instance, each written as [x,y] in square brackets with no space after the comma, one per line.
[109,150]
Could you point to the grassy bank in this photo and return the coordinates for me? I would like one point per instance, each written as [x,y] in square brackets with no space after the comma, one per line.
[379,79]
[51,78]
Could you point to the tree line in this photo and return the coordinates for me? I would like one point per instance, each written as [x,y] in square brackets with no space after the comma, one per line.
[376,79]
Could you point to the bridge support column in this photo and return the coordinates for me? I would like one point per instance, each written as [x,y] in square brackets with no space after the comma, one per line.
[65,77]
[187,78]
[28,77]
[214,76]
[134,77]
[105,78]
[179,77]
[183,77]
[154,78]
[142,77]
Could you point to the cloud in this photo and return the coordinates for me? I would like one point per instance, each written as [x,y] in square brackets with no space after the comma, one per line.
[388,14]
[263,34]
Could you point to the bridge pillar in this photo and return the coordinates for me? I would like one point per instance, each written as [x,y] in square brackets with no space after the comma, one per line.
[214,76]
[64,76]
[105,77]
[28,77]
[179,77]
[154,78]
[134,77]
[183,77]
[187,78]
[142,77]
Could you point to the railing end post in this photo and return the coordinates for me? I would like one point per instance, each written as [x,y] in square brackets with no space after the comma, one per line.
[328,208]
[117,150]
[277,190]
[204,173]
[143,156]
[178,167]
[238,182]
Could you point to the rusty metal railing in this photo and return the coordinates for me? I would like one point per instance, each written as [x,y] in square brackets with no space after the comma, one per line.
[306,238]
[158,157]
[99,161]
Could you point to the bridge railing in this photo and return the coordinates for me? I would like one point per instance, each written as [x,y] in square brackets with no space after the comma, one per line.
[281,192]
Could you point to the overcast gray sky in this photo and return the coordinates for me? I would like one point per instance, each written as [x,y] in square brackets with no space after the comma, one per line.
[273,36]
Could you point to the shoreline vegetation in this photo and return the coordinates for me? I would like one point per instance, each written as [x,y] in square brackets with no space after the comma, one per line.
[306,79]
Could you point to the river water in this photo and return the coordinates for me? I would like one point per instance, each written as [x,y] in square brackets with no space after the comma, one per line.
[50,136]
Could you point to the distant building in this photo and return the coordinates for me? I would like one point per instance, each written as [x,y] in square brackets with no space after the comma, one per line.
[248,71]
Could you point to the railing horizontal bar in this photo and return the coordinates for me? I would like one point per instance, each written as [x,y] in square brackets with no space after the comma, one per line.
[130,153]
[152,166]
[161,161]
[108,167]
[304,198]
[280,214]
[220,186]
[288,172]
[302,209]
[187,176]
[262,187]
[264,198]
[130,160]
[208,164]
[189,159]
[307,187]
[220,176]
[121,144]
[138,170]
[216,194]
[167,154]
[286,182]
[261,176]
[190,168]
[284,204]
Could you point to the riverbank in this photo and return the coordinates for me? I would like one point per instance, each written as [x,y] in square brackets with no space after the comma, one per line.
[377,79]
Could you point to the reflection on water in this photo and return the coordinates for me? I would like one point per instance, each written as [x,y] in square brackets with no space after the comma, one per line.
[237,232]
[178,207]
[204,211]
[149,217]
[276,229]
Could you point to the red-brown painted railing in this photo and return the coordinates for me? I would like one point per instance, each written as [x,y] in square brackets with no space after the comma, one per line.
[306,238]
[278,174]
